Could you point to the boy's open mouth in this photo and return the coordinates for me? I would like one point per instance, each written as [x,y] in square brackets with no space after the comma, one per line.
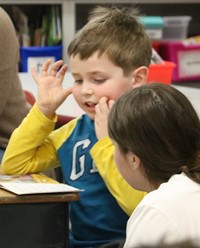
[90,105]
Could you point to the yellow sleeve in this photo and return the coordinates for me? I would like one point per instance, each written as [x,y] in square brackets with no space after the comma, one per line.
[127,197]
[29,149]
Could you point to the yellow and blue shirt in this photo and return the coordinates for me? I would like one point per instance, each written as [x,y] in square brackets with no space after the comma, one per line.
[101,214]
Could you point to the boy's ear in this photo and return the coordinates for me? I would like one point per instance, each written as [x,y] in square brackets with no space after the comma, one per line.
[140,76]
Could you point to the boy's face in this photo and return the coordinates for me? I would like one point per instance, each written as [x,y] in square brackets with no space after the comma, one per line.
[95,78]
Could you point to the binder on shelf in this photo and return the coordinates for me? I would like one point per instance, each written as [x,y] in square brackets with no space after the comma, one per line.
[55,35]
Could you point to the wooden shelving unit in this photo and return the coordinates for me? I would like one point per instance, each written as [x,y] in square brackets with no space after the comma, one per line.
[69,11]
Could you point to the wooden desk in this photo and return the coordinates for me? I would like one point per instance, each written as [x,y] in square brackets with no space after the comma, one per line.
[35,221]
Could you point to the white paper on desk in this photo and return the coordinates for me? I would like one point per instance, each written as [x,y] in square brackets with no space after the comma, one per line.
[37,188]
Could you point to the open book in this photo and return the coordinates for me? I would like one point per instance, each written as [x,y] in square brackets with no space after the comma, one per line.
[33,184]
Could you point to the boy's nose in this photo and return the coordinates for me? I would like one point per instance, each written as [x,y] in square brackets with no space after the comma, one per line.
[86,89]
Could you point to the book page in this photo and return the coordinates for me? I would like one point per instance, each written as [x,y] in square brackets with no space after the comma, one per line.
[37,188]
[28,178]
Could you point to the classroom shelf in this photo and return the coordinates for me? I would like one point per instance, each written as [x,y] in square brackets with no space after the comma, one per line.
[69,11]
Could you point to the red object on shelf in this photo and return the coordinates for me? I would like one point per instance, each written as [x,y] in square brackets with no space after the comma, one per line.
[156,45]
[161,73]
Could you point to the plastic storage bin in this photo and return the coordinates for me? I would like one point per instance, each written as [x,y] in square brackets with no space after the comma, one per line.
[176,27]
[185,56]
[161,73]
[35,56]
[153,26]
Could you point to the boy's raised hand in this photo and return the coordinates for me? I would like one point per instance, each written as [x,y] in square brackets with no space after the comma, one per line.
[51,94]
[102,110]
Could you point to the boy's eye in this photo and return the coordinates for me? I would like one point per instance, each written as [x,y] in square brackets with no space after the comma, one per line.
[99,81]
[78,81]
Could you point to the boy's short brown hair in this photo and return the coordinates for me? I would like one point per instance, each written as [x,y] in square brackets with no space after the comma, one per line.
[116,32]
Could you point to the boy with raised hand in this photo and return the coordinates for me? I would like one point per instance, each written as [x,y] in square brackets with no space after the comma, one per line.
[108,56]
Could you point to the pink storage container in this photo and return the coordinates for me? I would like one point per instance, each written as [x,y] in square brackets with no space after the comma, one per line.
[185,56]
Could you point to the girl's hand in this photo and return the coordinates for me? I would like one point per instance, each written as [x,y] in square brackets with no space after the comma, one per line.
[51,94]
[101,117]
